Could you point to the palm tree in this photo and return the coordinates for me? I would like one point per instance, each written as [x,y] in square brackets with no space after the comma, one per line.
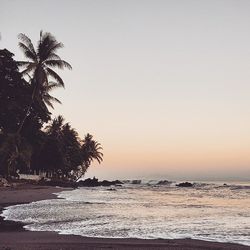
[55,128]
[91,151]
[72,152]
[39,68]
[63,140]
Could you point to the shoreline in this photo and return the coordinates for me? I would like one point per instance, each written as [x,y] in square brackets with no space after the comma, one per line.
[23,194]
[14,236]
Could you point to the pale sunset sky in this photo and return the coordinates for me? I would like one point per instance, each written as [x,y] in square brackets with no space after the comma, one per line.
[164,86]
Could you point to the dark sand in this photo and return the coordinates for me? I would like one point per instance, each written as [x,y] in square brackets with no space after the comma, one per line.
[14,237]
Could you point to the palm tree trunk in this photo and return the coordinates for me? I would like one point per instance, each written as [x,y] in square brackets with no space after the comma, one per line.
[21,126]
[24,119]
[27,112]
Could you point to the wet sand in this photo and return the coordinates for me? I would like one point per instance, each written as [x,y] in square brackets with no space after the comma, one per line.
[14,237]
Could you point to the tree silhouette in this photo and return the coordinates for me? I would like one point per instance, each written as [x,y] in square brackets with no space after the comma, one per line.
[91,151]
[39,68]
[71,157]
[14,97]
[25,143]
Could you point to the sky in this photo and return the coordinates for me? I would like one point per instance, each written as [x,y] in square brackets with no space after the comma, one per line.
[164,86]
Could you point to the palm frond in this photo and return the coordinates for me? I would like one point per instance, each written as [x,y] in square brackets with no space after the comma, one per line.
[53,56]
[51,48]
[99,159]
[58,63]
[43,45]
[27,42]
[55,47]
[47,45]
[48,102]
[52,85]
[98,148]
[29,68]
[23,63]
[55,76]
[28,53]
[51,98]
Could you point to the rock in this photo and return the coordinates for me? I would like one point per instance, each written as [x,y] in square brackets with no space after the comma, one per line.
[105,183]
[164,182]
[88,183]
[117,182]
[111,189]
[95,183]
[136,182]
[185,184]
[126,181]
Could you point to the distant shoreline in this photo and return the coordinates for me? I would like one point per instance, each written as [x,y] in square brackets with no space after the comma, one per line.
[15,237]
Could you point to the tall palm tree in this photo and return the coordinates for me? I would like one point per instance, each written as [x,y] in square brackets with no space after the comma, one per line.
[39,67]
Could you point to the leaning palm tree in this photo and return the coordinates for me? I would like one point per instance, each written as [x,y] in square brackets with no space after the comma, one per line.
[91,150]
[39,68]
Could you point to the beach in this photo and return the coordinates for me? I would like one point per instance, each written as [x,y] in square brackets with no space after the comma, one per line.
[14,236]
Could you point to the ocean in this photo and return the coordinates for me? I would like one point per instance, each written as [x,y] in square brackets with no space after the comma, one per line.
[207,211]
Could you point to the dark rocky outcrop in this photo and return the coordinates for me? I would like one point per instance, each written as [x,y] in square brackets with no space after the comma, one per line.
[95,183]
[88,182]
[185,184]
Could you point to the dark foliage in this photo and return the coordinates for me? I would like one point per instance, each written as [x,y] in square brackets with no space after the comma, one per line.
[15,95]
[69,158]
[25,145]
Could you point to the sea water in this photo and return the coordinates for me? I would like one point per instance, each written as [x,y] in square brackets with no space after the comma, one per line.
[207,211]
